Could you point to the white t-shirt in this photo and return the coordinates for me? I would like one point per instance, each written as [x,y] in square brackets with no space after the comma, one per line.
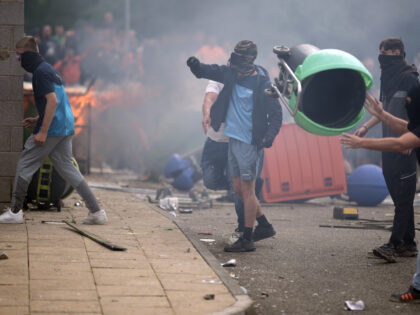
[217,136]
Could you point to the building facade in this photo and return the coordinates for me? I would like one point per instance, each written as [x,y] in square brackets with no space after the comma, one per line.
[11,95]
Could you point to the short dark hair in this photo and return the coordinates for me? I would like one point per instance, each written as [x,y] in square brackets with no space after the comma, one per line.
[393,43]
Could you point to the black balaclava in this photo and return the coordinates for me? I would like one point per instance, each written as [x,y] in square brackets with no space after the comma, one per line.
[413,108]
[30,60]
[242,59]
[394,69]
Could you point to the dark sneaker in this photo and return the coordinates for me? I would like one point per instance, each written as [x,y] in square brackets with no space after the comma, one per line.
[241,245]
[407,251]
[386,251]
[409,296]
[263,232]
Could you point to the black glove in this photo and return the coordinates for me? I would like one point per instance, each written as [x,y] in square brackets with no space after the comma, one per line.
[193,62]
[266,142]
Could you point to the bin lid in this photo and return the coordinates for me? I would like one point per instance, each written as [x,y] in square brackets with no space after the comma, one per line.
[328,59]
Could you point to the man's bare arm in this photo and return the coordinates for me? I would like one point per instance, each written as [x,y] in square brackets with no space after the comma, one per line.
[209,99]
[406,142]
[50,108]
[375,107]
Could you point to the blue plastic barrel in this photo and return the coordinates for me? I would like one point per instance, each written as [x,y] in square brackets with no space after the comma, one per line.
[366,185]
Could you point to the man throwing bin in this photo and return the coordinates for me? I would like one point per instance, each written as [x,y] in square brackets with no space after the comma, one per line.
[252,121]
[52,136]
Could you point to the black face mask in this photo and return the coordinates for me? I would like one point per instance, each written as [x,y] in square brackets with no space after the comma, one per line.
[386,60]
[30,60]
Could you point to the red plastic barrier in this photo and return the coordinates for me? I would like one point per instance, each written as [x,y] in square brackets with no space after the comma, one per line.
[301,165]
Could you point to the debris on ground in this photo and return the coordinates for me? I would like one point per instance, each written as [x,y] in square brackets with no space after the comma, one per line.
[229,263]
[355,305]
[169,203]
[232,275]
[207,240]
[209,297]
[3,255]
[95,238]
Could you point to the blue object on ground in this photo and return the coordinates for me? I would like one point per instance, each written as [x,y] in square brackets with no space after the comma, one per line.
[175,166]
[366,185]
[184,181]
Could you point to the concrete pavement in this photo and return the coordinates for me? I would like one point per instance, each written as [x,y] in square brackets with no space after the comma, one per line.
[54,270]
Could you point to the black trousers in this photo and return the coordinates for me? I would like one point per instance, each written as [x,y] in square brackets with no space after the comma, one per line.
[402,191]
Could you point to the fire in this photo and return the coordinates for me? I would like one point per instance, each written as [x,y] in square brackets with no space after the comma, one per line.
[80,106]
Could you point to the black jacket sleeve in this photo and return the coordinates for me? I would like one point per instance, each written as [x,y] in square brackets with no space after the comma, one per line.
[211,72]
[275,115]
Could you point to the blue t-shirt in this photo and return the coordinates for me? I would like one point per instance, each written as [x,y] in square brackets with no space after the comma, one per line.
[46,80]
[239,115]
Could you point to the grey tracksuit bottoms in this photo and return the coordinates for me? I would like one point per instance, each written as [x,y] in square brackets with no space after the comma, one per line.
[59,149]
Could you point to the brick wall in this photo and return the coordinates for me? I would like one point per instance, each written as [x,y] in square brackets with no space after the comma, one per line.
[11,95]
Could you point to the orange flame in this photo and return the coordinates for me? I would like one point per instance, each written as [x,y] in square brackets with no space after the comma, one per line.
[80,105]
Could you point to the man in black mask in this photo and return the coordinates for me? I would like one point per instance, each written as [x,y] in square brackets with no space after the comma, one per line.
[409,139]
[399,169]
[53,129]
[252,121]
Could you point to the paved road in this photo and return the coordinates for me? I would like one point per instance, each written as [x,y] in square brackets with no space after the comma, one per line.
[306,269]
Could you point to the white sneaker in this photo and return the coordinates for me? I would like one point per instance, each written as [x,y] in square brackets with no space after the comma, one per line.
[98,217]
[12,218]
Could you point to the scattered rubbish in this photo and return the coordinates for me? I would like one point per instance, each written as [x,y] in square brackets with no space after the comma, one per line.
[209,297]
[169,203]
[207,240]
[345,213]
[169,229]
[232,275]
[185,211]
[52,222]
[264,294]
[188,250]
[173,213]
[212,282]
[114,300]
[78,203]
[244,289]
[95,238]
[3,255]
[229,263]
[204,233]
[354,305]
[162,193]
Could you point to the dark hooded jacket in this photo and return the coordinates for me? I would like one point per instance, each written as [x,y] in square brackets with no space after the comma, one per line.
[398,164]
[267,112]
